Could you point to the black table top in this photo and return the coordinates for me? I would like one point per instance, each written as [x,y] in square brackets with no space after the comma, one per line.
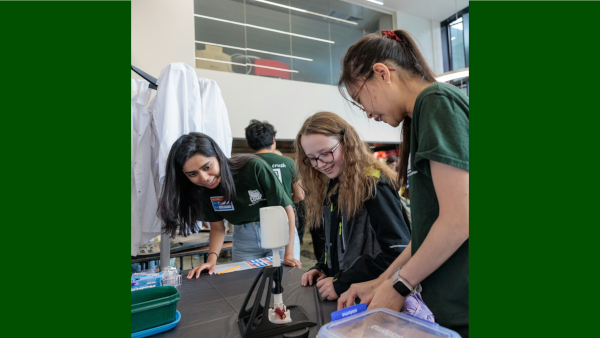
[209,305]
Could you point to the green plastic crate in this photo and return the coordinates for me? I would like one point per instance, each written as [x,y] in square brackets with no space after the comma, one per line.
[153,307]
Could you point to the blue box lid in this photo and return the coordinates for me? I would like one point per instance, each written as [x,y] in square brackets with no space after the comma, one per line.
[384,323]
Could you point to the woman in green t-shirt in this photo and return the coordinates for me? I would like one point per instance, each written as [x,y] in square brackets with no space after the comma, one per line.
[202,184]
[388,79]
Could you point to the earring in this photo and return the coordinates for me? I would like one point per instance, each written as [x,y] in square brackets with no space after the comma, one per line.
[389,82]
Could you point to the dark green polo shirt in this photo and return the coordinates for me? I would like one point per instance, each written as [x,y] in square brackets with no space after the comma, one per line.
[256,187]
[284,168]
[439,132]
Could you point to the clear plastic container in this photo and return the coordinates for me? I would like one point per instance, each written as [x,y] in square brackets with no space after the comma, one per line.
[171,276]
[384,323]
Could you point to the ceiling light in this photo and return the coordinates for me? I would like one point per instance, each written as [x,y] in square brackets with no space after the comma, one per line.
[254,50]
[455,74]
[263,28]
[247,64]
[376,2]
[305,11]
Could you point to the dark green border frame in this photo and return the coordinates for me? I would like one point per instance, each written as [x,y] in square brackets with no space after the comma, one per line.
[65,131]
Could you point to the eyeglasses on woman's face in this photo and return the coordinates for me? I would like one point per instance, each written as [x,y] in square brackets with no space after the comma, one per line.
[326,157]
[355,98]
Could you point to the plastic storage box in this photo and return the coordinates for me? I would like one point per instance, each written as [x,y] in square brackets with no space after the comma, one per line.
[384,323]
[146,281]
[153,307]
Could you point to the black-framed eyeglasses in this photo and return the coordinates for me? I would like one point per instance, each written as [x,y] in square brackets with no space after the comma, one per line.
[324,157]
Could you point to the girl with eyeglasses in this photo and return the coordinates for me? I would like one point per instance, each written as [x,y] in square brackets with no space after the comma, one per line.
[388,78]
[355,197]
[201,183]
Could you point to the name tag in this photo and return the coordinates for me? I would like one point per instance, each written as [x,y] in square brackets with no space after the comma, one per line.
[219,205]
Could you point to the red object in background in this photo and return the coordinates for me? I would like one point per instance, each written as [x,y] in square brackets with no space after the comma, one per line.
[385,153]
[271,72]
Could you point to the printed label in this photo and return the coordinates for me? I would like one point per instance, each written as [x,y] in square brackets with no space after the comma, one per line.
[278,174]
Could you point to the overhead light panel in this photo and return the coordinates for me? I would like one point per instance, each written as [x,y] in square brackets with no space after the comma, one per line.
[456,74]
[263,28]
[254,50]
[376,2]
[307,12]
[248,64]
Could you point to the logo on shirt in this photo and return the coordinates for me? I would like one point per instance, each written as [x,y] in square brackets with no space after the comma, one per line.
[255,196]
[278,174]
[409,172]
[277,165]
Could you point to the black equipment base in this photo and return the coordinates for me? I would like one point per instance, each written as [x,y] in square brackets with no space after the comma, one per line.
[254,322]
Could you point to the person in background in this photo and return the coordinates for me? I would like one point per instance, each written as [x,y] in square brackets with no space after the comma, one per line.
[261,138]
[390,81]
[201,183]
[356,198]
[392,162]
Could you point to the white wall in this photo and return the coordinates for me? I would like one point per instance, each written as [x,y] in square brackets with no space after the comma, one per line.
[428,38]
[287,104]
[162,31]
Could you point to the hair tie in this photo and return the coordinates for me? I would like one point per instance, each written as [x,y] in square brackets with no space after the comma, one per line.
[391,35]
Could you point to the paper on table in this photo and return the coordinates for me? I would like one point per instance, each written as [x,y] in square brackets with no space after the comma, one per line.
[261,262]
[223,267]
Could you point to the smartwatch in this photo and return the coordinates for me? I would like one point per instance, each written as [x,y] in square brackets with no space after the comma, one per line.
[401,285]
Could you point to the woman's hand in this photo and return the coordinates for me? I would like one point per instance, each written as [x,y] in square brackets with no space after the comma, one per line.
[307,277]
[291,261]
[360,290]
[326,289]
[385,296]
[197,270]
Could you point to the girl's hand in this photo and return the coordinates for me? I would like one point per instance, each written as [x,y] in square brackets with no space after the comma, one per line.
[360,290]
[326,289]
[291,261]
[385,296]
[197,270]
[307,277]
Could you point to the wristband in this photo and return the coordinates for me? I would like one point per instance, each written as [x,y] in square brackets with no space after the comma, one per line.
[210,253]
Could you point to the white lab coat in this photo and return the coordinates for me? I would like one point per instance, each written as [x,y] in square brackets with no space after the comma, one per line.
[145,225]
[215,121]
[184,104]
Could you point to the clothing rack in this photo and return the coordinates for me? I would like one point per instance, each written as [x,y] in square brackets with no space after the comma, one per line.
[147,77]
[165,243]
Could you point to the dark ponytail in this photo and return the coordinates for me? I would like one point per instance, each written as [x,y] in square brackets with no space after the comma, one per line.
[402,52]
[180,201]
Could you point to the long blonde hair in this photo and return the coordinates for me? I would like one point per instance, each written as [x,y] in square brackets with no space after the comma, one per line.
[356,187]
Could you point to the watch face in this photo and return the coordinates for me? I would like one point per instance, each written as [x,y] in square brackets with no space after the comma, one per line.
[402,289]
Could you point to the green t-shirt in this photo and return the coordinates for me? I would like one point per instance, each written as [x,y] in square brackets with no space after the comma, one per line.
[284,168]
[256,187]
[439,132]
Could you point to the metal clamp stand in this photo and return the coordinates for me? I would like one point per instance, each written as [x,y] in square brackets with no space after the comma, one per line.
[255,322]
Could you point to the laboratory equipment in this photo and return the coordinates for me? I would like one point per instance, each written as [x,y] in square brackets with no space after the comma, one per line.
[261,320]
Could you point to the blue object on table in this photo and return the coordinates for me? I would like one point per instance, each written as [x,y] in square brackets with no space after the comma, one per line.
[158,329]
[349,311]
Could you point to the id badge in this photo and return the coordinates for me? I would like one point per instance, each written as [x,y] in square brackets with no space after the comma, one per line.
[219,205]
